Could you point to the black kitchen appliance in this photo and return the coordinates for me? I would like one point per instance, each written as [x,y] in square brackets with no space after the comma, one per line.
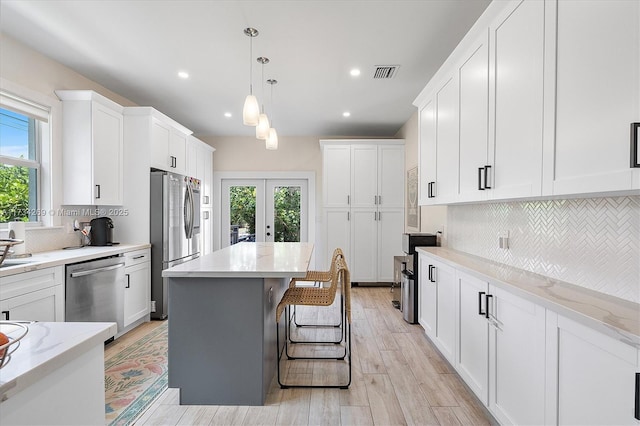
[410,278]
[101,233]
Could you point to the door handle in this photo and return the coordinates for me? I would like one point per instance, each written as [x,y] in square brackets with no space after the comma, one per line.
[128,281]
[97,191]
[480,170]
[486,176]
[635,131]
[432,277]
[637,398]
[486,301]
[480,294]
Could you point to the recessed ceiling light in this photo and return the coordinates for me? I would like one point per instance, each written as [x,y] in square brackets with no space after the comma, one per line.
[227,114]
[183,75]
[354,72]
[346,114]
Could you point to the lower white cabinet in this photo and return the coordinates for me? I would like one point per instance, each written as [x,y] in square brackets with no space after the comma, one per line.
[595,381]
[526,363]
[439,282]
[33,296]
[138,285]
[516,358]
[206,231]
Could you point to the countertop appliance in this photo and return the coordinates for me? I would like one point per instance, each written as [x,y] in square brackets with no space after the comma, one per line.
[94,291]
[175,230]
[410,278]
[101,233]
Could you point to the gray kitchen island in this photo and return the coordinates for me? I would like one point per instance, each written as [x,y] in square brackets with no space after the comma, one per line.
[222,337]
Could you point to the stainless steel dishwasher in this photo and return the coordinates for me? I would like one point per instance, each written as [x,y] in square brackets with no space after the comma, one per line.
[95,291]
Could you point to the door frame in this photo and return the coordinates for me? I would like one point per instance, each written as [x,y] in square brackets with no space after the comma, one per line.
[310,177]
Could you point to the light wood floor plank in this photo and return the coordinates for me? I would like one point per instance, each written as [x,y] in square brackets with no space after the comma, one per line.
[227,415]
[447,417]
[324,407]
[385,408]
[166,415]
[294,407]
[261,416]
[356,416]
[197,415]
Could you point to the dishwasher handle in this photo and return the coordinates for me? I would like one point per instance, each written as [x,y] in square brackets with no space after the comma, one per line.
[97,270]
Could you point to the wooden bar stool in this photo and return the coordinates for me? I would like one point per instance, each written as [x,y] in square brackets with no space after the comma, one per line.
[314,296]
[318,278]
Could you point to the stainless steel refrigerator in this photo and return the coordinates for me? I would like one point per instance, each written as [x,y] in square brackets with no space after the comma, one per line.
[175,230]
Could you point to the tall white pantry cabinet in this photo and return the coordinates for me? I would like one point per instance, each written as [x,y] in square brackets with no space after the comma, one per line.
[363,199]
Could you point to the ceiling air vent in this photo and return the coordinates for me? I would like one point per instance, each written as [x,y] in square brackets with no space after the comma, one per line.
[385,71]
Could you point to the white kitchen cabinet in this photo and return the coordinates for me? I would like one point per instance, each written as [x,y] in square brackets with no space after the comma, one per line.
[594,380]
[92,149]
[207,175]
[33,296]
[337,232]
[427,153]
[439,280]
[445,188]
[473,74]
[516,358]
[137,294]
[193,161]
[516,100]
[336,175]
[364,245]
[427,294]
[472,356]
[168,145]
[597,96]
[364,194]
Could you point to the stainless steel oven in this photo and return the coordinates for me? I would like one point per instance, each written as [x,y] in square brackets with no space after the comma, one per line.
[410,278]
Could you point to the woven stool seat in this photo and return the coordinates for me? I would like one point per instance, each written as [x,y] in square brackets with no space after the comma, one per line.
[310,296]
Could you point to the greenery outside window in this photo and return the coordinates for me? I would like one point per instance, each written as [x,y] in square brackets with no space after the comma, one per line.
[21,128]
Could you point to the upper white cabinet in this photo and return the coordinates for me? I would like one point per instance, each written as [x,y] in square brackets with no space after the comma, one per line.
[544,94]
[363,196]
[200,166]
[515,102]
[169,145]
[92,149]
[597,96]
[473,74]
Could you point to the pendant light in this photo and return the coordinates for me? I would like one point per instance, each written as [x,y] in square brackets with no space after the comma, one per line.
[272,140]
[262,130]
[251,110]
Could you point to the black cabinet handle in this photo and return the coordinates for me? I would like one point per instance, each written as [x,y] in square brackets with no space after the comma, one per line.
[432,278]
[128,281]
[637,398]
[480,170]
[6,315]
[635,131]
[480,294]
[430,191]
[97,191]
[486,301]
[486,176]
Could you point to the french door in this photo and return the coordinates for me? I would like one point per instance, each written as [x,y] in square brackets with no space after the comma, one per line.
[272,210]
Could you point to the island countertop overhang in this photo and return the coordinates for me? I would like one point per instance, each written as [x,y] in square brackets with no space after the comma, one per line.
[250,260]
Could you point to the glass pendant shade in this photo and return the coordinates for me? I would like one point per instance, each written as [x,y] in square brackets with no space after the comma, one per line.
[262,130]
[251,111]
[272,140]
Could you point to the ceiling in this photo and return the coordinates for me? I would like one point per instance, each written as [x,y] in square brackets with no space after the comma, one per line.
[136,48]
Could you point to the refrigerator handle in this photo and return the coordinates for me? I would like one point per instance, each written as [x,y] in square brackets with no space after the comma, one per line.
[187,212]
[192,221]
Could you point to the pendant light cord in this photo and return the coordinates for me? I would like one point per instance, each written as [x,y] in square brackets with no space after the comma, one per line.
[250,65]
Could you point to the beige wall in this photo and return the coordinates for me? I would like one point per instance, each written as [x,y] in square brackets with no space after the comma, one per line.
[26,67]
[432,218]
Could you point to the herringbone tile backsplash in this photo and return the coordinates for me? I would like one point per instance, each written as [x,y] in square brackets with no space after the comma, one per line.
[593,242]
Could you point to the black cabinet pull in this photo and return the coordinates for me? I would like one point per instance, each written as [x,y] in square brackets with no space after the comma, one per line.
[486,176]
[430,191]
[635,131]
[6,315]
[480,170]
[128,281]
[97,191]
[480,294]
[486,301]
[430,273]
[637,398]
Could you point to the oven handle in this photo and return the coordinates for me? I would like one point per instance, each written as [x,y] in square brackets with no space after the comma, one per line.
[96,271]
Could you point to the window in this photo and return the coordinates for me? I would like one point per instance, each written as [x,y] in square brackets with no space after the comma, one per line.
[22,124]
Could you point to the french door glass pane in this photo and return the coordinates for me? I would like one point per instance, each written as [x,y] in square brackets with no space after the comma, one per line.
[286,200]
[242,213]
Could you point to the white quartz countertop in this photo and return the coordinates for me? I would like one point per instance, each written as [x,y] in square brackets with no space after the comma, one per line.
[46,347]
[611,315]
[48,259]
[249,260]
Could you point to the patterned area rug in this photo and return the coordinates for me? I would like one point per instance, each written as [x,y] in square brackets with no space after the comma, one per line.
[135,377]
